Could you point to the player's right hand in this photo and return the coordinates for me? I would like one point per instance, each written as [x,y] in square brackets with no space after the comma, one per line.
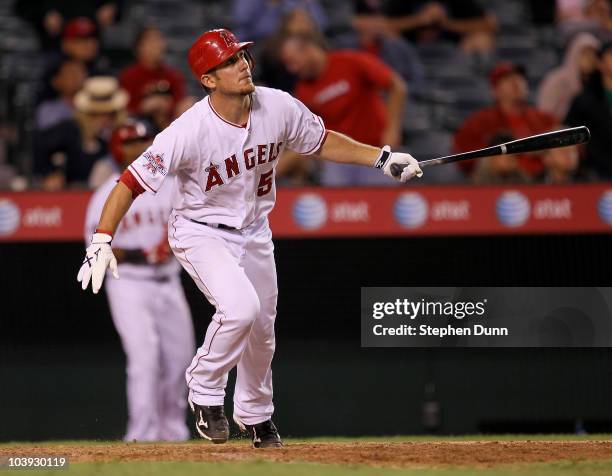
[409,166]
[98,257]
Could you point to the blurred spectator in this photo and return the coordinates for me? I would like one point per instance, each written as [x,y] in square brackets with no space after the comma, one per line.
[461,21]
[344,88]
[501,169]
[258,19]
[49,17]
[124,148]
[66,152]
[576,16]
[273,72]
[80,42]
[562,166]
[65,79]
[150,75]
[592,108]
[560,86]
[374,36]
[511,114]
[157,105]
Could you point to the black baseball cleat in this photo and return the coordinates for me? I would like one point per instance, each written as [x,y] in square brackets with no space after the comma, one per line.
[263,435]
[211,423]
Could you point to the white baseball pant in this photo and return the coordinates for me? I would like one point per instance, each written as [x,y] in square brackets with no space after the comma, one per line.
[235,270]
[154,323]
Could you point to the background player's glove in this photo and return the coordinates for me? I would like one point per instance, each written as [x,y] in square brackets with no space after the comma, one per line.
[158,254]
[410,164]
[98,257]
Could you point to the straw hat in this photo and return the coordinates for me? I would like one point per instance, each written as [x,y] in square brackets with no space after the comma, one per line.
[101,94]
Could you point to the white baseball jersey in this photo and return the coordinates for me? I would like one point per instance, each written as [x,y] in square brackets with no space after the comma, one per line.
[152,317]
[144,226]
[225,172]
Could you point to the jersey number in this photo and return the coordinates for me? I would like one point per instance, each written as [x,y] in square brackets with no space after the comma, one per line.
[265,183]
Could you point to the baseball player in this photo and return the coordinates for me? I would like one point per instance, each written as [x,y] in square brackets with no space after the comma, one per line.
[148,305]
[224,151]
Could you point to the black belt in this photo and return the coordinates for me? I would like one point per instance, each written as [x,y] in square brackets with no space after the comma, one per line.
[214,225]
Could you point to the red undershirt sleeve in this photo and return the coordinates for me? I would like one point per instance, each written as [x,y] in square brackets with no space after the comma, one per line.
[130,182]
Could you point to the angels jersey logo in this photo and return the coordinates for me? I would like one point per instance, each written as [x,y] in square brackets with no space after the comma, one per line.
[218,174]
[155,163]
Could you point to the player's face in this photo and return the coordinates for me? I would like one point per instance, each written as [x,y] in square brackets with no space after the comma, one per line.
[234,76]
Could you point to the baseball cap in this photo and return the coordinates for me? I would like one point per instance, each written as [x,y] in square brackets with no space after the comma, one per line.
[81,27]
[504,68]
[131,130]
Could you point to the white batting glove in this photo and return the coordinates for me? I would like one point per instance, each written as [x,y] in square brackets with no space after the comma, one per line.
[98,257]
[410,166]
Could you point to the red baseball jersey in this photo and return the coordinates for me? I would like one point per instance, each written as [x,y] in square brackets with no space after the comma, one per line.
[135,79]
[347,95]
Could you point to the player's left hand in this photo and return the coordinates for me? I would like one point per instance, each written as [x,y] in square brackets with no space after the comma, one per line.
[98,257]
[410,166]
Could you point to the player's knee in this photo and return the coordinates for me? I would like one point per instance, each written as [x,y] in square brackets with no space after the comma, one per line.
[268,310]
[143,368]
[143,360]
[246,311]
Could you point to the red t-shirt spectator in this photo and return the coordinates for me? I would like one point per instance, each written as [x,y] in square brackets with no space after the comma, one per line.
[136,78]
[347,95]
[479,129]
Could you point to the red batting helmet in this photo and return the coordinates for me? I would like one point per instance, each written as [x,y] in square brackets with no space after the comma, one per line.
[213,48]
[129,131]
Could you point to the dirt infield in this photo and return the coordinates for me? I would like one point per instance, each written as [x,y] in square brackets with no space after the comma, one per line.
[402,454]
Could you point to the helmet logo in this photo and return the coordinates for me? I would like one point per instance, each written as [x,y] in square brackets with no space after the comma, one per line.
[228,40]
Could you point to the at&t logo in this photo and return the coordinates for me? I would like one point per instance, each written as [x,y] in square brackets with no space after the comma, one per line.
[310,211]
[512,208]
[604,207]
[411,210]
[10,217]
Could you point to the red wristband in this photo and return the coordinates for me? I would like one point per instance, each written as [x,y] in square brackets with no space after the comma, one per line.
[106,232]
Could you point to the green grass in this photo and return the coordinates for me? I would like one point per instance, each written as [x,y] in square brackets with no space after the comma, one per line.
[261,468]
[266,468]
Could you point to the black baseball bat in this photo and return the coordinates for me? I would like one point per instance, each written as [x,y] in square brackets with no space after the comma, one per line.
[549,140]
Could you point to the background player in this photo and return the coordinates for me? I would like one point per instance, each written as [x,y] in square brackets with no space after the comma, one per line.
[148,305]
[224,151]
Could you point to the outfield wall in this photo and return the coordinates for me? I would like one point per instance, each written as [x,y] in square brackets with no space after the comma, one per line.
[61,365]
